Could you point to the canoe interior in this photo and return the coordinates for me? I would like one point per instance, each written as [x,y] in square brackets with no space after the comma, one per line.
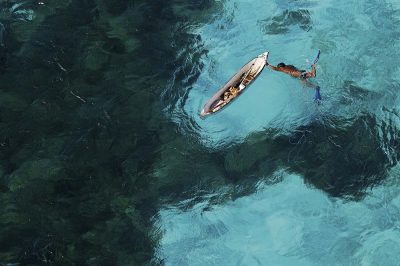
[235,86]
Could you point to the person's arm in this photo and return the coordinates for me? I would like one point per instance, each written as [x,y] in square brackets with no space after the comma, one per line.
[273,67]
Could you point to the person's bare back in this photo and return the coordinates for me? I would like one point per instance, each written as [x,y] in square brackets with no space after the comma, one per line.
[303,75]
[293,71]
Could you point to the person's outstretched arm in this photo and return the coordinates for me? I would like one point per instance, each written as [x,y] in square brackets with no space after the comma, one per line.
[273,67]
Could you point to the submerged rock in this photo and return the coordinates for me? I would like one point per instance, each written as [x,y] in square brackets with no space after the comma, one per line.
[282,23]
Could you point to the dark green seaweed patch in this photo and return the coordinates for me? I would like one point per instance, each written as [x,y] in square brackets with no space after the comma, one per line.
[81,126]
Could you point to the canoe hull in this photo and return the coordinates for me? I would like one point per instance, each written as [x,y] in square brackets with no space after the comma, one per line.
[240,81]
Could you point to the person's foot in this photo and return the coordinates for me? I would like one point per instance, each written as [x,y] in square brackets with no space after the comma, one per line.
[317,97]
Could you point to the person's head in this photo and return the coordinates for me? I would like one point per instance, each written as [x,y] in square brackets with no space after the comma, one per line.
[281,65]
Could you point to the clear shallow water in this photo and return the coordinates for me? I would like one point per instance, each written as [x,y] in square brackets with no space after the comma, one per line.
[358,40]
[290,223]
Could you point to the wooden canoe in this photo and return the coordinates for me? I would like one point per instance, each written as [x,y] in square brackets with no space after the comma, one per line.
[236,85]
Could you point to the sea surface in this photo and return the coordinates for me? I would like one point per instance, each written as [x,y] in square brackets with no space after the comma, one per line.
[104,159]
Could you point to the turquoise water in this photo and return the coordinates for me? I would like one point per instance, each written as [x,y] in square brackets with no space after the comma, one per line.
[358,41]
[104,159]
[288,223]
[283,219]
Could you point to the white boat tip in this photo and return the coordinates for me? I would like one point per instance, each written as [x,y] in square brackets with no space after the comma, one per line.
[264,55]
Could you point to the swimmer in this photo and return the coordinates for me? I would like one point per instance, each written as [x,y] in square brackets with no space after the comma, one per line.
[303,75]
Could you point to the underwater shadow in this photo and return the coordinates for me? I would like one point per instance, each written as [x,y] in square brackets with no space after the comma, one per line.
[343,159]
[282,23]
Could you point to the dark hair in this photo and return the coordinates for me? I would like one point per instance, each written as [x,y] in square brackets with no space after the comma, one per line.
[281,65]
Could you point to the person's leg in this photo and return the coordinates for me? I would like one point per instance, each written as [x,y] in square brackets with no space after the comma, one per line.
[307,83]
[314,70]
[310,85]
[312,73]
[317,96]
